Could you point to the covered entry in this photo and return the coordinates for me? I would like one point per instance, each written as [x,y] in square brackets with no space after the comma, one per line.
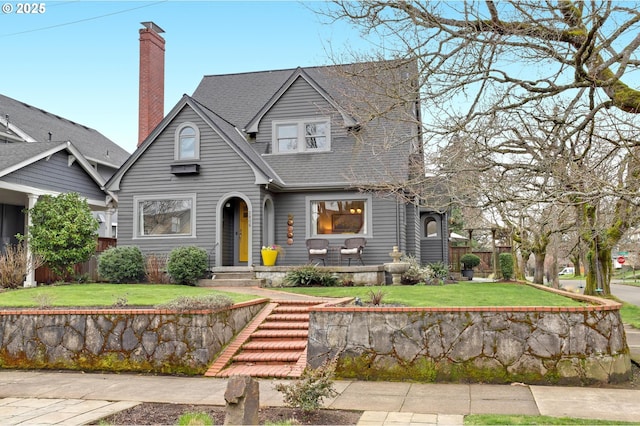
[235,233]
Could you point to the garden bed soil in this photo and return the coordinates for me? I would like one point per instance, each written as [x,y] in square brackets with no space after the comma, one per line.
[168,414]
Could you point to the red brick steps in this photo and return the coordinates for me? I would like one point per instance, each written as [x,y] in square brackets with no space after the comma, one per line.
[268,345]
[274,344]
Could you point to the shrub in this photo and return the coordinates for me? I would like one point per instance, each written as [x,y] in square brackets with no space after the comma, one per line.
[375,297]
[187,264]
[13,266]
[155,268]
[62,231]
[470,261]
[440,270]
[505,261]
[308,391]
[418,274]
[121,265]
[310,276]
[189,303]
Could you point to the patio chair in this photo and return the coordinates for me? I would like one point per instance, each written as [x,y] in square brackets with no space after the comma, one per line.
[318,248]
[352,249]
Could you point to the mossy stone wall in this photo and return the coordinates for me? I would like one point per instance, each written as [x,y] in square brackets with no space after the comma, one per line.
[576,345]
[148,340]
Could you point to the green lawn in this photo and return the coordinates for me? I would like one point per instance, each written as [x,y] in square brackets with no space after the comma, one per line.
[461,294]
[494,419]
[630,314]
[80,295]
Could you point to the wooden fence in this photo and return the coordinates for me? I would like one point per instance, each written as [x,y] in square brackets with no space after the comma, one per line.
[486,259]
[88,269]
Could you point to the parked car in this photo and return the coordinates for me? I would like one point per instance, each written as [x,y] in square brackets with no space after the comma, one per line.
[569,270]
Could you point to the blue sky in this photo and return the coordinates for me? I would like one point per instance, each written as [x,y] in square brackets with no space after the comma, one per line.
[79,59]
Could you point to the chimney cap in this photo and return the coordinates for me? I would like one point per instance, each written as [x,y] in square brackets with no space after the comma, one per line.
[152,26]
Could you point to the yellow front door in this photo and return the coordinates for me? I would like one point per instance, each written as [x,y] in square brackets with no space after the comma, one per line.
[243,240]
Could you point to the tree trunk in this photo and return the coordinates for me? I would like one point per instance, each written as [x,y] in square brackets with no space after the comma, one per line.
[538,276]
[598,269]
[523,259]
[576,264]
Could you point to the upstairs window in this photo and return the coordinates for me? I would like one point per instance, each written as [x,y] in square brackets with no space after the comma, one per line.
[301,136]
[187,142]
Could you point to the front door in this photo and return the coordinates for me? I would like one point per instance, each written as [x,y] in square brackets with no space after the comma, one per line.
[243,232]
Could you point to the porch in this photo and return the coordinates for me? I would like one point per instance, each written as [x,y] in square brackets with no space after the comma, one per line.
[273,276]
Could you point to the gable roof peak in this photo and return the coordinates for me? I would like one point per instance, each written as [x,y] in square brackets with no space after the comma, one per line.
[252,125]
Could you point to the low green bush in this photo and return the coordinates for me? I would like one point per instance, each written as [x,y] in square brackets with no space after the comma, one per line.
[416,273]
[313,386]
[121,265]
[186,265]
[190,303]
[310,276]
[470,261]
[505,260]
[432,274]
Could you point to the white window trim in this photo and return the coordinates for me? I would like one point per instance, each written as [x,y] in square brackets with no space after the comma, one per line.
[176,150]
[368,216]
[302,143]
[136,215]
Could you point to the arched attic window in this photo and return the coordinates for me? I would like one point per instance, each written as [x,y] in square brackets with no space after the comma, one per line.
[187,142]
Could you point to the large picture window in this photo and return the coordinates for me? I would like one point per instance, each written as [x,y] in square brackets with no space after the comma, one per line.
[331,217]
[166,216]
[301,136]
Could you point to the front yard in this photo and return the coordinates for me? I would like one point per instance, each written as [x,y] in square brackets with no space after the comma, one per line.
[460,294]
[105,295]
[120,295]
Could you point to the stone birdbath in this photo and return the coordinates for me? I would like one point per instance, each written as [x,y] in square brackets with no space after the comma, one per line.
[396,268]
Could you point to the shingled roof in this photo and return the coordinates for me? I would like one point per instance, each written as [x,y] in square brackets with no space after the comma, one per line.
[242,99]
[33,124]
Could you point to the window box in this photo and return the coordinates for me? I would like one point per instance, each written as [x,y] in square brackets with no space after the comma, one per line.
[185,169]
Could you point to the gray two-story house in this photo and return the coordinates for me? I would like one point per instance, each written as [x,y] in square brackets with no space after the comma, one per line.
[277,157]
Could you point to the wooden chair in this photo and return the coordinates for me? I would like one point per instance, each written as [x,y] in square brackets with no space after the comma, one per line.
[352,249]
[318,248]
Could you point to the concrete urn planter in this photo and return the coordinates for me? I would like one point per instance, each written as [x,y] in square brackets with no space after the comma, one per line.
[396,269]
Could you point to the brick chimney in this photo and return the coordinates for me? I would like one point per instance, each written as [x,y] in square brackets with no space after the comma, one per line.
[151,92]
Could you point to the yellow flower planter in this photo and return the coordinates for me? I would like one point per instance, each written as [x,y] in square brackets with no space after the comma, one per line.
[269,257]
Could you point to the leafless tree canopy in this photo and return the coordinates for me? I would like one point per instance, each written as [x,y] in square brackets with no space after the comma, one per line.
[527,106]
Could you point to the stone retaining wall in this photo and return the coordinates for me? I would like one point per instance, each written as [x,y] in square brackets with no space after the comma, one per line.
[150,340]
[563,345]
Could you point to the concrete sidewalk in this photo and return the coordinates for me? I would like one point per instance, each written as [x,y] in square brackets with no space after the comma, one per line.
[72,398]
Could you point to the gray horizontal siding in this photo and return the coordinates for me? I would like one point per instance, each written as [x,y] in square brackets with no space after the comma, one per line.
[435,249]
[222,171]
[380,242]
[56,175]
[302,101]
[373,153]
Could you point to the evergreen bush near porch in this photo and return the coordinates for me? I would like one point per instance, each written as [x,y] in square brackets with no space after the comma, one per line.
[121,265]
[309,276]
[187,265]
[505,260]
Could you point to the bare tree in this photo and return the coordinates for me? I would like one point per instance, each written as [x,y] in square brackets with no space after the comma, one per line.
[522,95]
